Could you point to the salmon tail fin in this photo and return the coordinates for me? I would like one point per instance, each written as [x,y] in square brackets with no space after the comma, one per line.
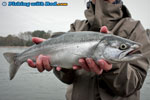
[14,64]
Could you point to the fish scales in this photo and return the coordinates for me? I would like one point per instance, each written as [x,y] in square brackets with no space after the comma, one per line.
[65,50]
[55,43]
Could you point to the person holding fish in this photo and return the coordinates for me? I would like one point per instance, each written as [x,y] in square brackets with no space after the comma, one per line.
[101,80]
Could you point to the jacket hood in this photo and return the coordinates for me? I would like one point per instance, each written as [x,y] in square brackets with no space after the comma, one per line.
[104,13]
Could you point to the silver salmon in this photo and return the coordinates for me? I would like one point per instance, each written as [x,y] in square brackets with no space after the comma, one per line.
[65,50]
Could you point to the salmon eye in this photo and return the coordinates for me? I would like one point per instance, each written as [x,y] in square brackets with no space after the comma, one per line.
[123,47]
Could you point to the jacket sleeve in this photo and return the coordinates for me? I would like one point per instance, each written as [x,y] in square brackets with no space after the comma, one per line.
[67,75]
[126,78]
[79,25]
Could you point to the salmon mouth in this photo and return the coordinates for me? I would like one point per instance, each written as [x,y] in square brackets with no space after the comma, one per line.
[133,52]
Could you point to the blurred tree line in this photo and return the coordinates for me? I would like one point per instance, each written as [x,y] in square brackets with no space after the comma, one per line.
[23,39]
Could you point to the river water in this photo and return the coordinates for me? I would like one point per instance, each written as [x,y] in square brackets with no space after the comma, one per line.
[29,84]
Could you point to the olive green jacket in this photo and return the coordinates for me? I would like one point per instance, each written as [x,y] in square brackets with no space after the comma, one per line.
[124,80]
